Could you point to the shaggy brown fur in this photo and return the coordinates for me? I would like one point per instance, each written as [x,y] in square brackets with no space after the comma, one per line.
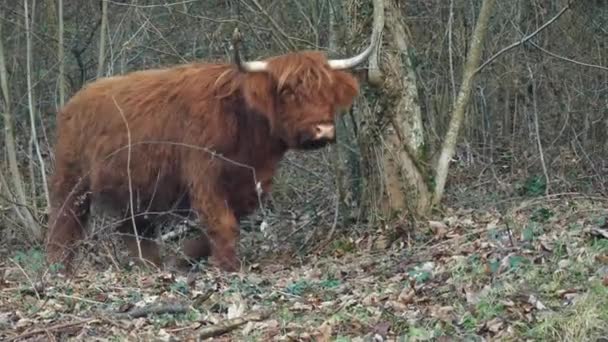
[196,135]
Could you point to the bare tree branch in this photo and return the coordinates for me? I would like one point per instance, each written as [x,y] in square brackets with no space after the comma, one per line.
[569,60]
[526,38]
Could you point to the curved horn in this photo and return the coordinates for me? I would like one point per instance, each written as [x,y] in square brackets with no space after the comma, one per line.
[245,66]
[348,63]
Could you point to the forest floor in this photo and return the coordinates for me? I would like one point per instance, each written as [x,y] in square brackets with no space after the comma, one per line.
[537,272]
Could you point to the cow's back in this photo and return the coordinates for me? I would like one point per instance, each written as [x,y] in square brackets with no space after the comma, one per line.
[118,128]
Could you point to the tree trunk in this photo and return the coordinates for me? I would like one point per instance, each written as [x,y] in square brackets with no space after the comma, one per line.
[405,136]
[394,141]
[451,137]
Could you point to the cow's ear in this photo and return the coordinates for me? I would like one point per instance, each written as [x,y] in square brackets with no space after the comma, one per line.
[345,89]
[258,91]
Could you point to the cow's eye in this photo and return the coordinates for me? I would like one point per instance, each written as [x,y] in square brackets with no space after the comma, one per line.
[288,94]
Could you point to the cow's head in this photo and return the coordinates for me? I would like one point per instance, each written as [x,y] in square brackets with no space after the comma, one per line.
[301,94]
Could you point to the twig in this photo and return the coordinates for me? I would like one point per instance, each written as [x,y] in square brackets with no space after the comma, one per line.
[114,262]
[129,148]
[231,324]
[526,38]
[56,327]
[27,277]
[332,231]
[175,233]
[59,295]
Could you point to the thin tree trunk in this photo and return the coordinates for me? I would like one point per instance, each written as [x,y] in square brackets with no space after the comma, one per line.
[61,54]
[451,138]
[332,39]
[102,38]
[337,160]
[30,99]
[18,192]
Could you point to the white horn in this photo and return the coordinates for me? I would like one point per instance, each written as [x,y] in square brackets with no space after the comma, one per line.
[338,64]
[245,66]
[254,66]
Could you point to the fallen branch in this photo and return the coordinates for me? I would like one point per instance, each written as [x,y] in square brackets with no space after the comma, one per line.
[231,324]
[53,328]
[153,309]
[598,232]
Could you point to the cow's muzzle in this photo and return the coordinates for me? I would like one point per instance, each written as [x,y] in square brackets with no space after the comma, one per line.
[325,132]
[317,137]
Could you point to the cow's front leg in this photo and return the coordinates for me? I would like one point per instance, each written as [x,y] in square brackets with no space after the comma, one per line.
[222,227]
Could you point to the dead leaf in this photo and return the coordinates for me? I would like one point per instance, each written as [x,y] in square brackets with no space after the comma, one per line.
[166,277]
[565,292]
[6,318]
[147,282]
[162,335]
[125,307]
[602,258]
[507,303]
[474,297]
[397,306]
[382,328]
[492,224]
[439,228]
[406,296]
[325,331]
[293,326]
[304,336]
[564,263]
[235,309]
[443,313]
[370,299]
[495,325]
[248,328]
[570,298]
[381,243]
[546,244]
[536,303]
[101,297]
[298,306]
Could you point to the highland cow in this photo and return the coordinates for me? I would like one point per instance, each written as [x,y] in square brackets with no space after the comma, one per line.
[204,136]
